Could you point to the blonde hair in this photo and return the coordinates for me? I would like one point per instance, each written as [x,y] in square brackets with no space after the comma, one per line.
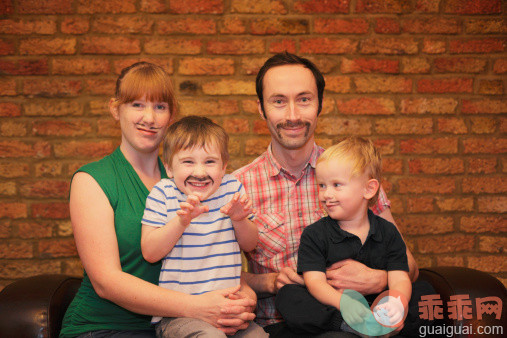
[144,78]
[363,156]
[192,131]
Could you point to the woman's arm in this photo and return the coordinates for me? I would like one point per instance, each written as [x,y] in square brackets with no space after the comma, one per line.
[93,225]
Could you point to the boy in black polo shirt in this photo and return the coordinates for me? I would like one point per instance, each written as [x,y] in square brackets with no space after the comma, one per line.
[348,176]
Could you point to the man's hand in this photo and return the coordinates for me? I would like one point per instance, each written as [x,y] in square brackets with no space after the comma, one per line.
[191,209]
[287,276]
[350,274]
[238,208]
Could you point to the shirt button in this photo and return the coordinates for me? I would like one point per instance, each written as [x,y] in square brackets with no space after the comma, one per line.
[300,214]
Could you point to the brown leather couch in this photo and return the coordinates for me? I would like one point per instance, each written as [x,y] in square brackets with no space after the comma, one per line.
[34,306]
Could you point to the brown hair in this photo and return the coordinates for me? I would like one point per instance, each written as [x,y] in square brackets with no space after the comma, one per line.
[144,78]
[363,156]
[195,131]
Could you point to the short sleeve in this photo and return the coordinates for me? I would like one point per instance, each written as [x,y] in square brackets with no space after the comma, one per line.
[311,254]
[397,251]
[156,211]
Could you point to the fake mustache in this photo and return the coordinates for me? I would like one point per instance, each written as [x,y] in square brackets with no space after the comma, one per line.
[198,179]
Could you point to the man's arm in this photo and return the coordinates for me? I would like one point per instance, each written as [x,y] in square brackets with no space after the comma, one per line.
[268,284]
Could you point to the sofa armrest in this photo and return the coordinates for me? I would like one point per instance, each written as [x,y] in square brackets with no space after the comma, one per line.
[449,281]
[35,306]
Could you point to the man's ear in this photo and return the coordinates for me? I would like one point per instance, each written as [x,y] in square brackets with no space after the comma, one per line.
[371,188]
[261,112]
[114,108]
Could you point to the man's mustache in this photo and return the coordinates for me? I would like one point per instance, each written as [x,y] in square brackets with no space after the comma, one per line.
[292,124]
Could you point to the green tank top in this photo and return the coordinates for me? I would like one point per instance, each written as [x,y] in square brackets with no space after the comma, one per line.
[127,195]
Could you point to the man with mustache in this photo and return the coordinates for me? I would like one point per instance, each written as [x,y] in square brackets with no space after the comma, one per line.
[281,185]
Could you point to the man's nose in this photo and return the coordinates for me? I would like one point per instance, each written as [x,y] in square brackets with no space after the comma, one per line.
[292,111]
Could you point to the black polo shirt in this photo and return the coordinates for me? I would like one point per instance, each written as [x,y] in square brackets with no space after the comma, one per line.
[324,243]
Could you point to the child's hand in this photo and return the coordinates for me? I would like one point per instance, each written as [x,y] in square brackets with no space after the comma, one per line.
[393,309]
[238,208]
[355,313]
[191,209]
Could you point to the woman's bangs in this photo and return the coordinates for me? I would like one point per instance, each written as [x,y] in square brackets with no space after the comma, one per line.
[156,87]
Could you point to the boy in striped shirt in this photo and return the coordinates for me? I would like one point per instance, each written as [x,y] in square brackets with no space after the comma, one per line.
[197,222]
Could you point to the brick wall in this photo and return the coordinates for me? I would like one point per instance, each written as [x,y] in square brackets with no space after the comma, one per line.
[425,79]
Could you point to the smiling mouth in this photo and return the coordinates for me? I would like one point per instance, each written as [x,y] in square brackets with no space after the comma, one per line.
[199,183]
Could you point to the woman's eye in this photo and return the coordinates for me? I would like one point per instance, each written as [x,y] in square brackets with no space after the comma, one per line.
[161,107]
[136,105]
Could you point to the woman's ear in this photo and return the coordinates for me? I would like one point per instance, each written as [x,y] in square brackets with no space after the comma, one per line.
[114,108]
[371,188]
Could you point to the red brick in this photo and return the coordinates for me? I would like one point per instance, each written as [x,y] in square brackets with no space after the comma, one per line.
[420,205]
[400,126]
[385,146]
[256,146]
[493,204]
[83,148]
[500,66]
[338,84]
[98,108]
[383,85]
[484,107]
[382,6]
[8,189]
[206,66]
[455,204]
[13,210]
[16,149]
[106,6]
[51,210]
[45,189]
[186,26]
[492,244]
[342,126]
[442,145]
[487,145]
[23,27]
[7,47]
[236,46]
[392,166]
[484,185]
[153,6]
[233,25]
[110,45]
[325,64]
[8,109]
[16,249]
[108,127]
[260,128]
[80,66]
[490,87]
[427,6]
[482,165]
[6,7]
[337,26]
[53,108]
[49,46]
[52,88]
[250,107]
[122,25]
[362,65]
[436,166]
[60,247]
[251,66]
[208,107]
[434,46]
[173,46]
[452,125]
[61,128]
[259,7]
[432,25]
[459,65]
[24,67]
[75,25]
[490,264]
[279,26]
[13,128]
[446,244]
[428,106]
[48,169]
[445,85]
[13,170]
[483,223]
[197,6]
[8,87]
[419,225]
[321,6]
[450,260]
[164,62]
[25,268]
[327,46]
[490,45]
[483,125]
[100,86]
[473,6]
[366,106]
[229,87]
[485,26]
[392,46]
[44,7]
[35,229]
[236,125]
[411,65]
[387,26]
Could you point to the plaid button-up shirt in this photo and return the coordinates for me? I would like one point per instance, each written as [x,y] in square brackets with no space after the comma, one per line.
[285,205]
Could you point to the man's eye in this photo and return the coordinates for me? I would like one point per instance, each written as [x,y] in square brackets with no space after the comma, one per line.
[305,99]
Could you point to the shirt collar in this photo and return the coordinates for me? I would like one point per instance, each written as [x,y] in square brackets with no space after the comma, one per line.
[374,233]
[274,167]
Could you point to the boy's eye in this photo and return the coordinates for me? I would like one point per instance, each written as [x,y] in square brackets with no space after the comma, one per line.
[321,185]
[337,185]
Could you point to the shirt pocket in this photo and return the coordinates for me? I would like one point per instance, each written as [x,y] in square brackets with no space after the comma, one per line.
[272,234]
